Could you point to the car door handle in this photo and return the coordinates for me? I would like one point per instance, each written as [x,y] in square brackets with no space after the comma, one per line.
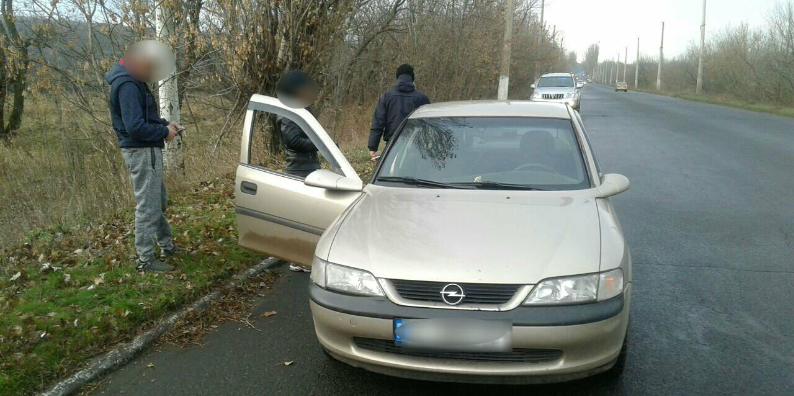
[248,188]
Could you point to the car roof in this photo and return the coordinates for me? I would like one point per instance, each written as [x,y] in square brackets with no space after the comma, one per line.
[492,108]
[556,75]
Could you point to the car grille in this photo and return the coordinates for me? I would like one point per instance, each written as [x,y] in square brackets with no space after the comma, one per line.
[515,356]
[553,96]
[475,293]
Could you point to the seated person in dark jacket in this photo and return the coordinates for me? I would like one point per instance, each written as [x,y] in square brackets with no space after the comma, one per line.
[394,106]
[297,89]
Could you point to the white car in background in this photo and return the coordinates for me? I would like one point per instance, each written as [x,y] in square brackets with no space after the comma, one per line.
[557,88]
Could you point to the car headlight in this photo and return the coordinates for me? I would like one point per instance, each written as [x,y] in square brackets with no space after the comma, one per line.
[344,279]
[577,289]
[536,95]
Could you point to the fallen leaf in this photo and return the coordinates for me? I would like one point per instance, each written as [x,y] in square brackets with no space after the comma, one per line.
[16,276]
[150,365]
[268,314]
[288,363]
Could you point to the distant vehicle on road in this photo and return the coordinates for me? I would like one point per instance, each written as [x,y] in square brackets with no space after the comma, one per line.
[557,87]
[622,86]
[485,247]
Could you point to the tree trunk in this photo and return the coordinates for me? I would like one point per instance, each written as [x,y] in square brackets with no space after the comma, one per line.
[17,69]
[174,158]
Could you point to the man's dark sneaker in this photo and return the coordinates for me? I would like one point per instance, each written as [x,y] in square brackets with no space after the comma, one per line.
[153,265]
[174,251]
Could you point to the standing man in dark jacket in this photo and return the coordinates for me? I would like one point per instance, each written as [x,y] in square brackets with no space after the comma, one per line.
[394,106]
[141,133]
[297,89]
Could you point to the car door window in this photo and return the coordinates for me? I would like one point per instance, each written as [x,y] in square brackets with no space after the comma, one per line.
[269,149]
[263,146]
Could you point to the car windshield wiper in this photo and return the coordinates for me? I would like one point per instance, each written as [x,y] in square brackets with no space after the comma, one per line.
[499,186]
[417,182]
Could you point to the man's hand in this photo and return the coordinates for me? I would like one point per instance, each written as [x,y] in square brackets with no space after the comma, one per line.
[172,132]
[372,154]
[175,125]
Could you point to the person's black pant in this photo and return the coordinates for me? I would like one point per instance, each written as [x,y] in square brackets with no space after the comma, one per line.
[300,173]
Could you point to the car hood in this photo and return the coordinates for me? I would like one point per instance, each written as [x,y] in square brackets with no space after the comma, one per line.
[469,236]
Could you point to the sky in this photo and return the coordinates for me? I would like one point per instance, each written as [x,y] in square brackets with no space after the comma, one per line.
[618,23]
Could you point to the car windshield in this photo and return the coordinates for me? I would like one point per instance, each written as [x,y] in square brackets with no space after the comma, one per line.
[548,82]
[485,153]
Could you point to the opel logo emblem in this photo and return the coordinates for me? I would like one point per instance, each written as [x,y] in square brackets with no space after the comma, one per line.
[452,294]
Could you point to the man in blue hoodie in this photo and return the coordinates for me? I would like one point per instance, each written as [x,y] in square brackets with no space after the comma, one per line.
[393,107]
[141,134]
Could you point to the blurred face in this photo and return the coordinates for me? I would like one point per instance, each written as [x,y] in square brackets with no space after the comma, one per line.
[308,94]
[302,98]
[140,67]
[149,61]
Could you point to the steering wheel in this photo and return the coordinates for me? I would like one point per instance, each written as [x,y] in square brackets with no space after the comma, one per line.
[541,167]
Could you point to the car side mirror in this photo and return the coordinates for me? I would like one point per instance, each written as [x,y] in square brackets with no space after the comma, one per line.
[532,86]
[612,184]
[324,178]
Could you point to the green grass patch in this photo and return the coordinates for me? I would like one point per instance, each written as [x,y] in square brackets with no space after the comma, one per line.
[69,294]
[727,101]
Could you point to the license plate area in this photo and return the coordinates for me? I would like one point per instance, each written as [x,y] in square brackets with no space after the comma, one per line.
[462,335]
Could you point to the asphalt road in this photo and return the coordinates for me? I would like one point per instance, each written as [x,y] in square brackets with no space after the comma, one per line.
[710,221]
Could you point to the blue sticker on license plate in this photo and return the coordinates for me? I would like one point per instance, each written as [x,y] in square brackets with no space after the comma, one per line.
[397,323]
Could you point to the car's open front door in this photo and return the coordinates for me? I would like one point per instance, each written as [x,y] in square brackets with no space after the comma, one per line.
[277,214]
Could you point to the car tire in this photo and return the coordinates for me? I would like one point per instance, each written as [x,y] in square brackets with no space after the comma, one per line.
[620,363]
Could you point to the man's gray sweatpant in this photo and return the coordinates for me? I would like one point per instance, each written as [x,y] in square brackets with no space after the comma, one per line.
[146,169]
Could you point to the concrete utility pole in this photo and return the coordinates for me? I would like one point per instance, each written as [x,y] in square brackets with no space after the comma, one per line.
[637,65]
[617,69]
[604,70]
[661,60]
[174,158]
[604,73]
[504,73]
[609,80]
[540,40]
[625,63]
[702,49]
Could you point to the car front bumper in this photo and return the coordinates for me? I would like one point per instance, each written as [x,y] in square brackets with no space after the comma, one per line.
[573,102]
[588,338]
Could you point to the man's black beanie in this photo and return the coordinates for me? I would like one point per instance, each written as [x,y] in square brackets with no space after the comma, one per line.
[405,69]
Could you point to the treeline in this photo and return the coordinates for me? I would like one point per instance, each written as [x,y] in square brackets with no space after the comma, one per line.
[233,48]
[59,161]
[752,65]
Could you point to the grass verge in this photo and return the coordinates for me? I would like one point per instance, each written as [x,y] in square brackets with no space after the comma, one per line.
[69,294]
[726,101]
